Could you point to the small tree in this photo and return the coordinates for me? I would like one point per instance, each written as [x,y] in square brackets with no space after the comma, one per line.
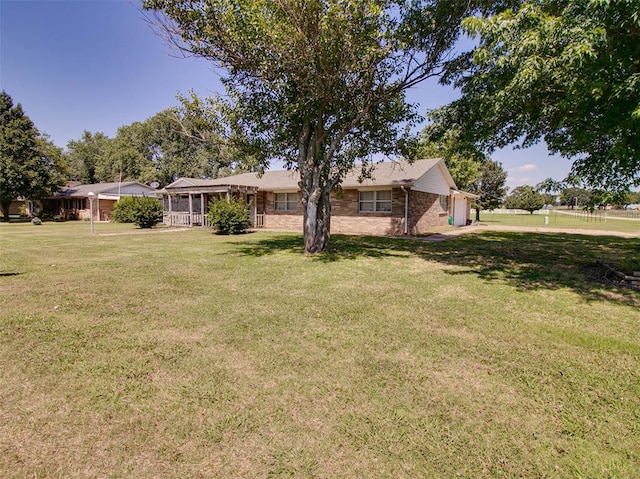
[525,198]
[229,216]
[146,212]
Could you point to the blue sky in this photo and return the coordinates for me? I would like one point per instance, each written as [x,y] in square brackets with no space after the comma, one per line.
[97,65]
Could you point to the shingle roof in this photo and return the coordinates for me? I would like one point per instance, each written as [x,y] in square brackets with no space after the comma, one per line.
[383,174]
[97,188]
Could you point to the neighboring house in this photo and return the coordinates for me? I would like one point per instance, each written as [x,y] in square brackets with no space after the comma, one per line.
[72,202]
[399,198]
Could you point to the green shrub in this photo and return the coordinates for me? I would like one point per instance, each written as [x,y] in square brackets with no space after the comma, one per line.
[124,210]
[229,216]
[145,211]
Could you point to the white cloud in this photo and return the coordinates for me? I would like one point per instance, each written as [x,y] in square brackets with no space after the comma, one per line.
[519,181]
[525,168]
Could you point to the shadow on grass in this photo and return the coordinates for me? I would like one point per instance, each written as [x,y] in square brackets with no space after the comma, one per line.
[342,247]
[544,261]
[525,260]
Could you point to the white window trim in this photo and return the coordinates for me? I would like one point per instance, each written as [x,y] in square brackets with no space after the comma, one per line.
[287,201]
[446,200]
[375,201]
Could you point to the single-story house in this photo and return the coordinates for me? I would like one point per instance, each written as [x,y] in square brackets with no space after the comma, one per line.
[398,198]
[72,202]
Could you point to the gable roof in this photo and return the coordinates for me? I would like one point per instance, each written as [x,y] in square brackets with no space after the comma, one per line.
[385,174]
[123,188]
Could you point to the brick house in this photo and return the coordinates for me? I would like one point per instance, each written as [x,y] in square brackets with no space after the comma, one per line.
[399,198]
[72,201]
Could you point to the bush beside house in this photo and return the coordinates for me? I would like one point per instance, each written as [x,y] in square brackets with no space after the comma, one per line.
[144,211]
[229,216]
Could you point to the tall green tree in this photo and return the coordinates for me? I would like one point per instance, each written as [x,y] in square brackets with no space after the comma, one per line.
[489,185]
[185,143]
[317,84]
[128,156]
[565,71]
[31,166]
[172,143]
[85,154]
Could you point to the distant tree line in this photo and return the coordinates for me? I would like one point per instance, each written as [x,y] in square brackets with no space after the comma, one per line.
[169,145]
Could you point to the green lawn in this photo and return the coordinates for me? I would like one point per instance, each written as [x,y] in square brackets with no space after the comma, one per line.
[159,354]
[565,221]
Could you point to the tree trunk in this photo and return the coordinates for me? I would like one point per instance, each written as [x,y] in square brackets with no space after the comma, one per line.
[5,210]
[317,218]
[316,185]
[477,213]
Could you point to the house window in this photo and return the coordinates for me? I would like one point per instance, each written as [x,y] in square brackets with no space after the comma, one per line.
[444,202]
[71,204]
[285,201]
[374,201]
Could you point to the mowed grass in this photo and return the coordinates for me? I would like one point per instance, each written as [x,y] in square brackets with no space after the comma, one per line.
[564,220]
[186,354]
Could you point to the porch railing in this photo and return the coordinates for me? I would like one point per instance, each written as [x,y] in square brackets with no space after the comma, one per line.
[198,219]
[176,219]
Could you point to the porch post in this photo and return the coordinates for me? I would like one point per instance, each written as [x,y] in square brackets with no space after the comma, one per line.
[170,198]
[202,209]
[190,210]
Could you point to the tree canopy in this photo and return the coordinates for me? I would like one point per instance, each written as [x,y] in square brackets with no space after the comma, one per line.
[31,166]
[564,71]
[161,148]
[524,198]
[318,85]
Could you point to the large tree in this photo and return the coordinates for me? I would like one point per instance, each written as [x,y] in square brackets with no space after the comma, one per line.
[188,144]
[85,154]
[170,144]
[489,185]
[31,166]
[319,84]
[566,71]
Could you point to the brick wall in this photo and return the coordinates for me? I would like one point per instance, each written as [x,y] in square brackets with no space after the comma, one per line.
[345,217]
[424,213]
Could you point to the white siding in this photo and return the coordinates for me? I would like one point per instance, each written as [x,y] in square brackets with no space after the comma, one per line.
[434,181]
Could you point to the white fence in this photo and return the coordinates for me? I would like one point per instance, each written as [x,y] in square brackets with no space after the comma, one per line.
[503,211]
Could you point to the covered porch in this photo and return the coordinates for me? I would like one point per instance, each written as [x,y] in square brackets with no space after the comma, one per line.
[188,205]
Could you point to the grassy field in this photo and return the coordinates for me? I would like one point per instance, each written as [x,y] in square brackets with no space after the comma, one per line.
[162,354]
[564,221]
